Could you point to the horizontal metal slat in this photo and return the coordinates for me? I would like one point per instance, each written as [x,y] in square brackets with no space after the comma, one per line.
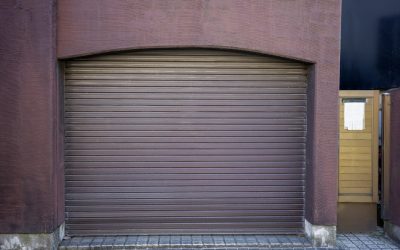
[186,89]
[231,165]
[291,173]
[181,207]
[183,189]
[232,202]
[188,108]
[124,181]
[159,228]
[186,152]
[188,158]
[182,230]
[214,170]
[127,142]
[185,96]
[191,127]
[185,114]
[187,180]
[205,102]
[171,77]
[182,121]
[100,136]
[288,144]
[163,83]
[83,195]
[185,216]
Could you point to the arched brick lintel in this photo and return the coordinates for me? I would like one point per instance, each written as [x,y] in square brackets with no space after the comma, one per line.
[190,46]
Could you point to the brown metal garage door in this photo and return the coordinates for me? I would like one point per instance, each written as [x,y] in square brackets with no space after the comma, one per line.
[184,141]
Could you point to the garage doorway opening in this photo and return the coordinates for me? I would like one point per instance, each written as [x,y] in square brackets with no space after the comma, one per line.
[185,141]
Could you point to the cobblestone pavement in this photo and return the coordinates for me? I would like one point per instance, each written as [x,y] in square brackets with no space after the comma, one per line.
[221,242]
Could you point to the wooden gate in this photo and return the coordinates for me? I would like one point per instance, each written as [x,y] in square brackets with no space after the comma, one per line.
[358,160]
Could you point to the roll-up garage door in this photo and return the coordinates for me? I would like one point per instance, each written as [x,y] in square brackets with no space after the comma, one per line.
[184,141]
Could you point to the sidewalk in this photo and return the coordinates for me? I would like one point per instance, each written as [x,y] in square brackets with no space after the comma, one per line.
[375,240]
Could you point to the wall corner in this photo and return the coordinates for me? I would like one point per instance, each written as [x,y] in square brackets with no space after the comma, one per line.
[320,235]
[393,231]
[33,241]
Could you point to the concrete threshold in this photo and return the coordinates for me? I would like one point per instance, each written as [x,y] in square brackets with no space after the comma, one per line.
[187,242]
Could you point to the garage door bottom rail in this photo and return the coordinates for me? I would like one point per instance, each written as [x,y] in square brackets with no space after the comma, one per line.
[187,242]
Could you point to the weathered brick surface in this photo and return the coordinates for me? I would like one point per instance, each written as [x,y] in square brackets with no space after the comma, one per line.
[31,170]
[394,199]
[30,134]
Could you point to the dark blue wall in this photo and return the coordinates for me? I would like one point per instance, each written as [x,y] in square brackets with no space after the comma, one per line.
[370,44]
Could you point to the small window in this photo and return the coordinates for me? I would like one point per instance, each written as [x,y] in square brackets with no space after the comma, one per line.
[354,113]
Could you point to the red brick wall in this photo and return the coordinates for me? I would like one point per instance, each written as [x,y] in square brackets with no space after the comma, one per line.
[31,170]
[31,184]
[394,204]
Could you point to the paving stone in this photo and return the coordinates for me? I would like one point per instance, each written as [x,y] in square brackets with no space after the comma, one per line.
[218,240]
[262,240]
[196,240]
[207,240]
[131,240]
[84,244]
[74,242]
[120,241]
[306,242]
[108,242]
[358,243]
[273,241]
[153,241]
[229,240]
[297,241]
[240,240]
[142,240]
[353,238]
[373,246]
[164,241]
[186,240]
[251,240]
[284,241]
[65,243]
[96,243]
[176,240]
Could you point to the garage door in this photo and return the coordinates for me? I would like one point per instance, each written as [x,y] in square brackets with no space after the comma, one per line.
[184,141]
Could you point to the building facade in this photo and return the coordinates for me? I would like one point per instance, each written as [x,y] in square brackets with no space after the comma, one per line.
[65,61]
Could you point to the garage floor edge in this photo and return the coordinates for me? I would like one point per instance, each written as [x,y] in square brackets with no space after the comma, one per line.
[375,240]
